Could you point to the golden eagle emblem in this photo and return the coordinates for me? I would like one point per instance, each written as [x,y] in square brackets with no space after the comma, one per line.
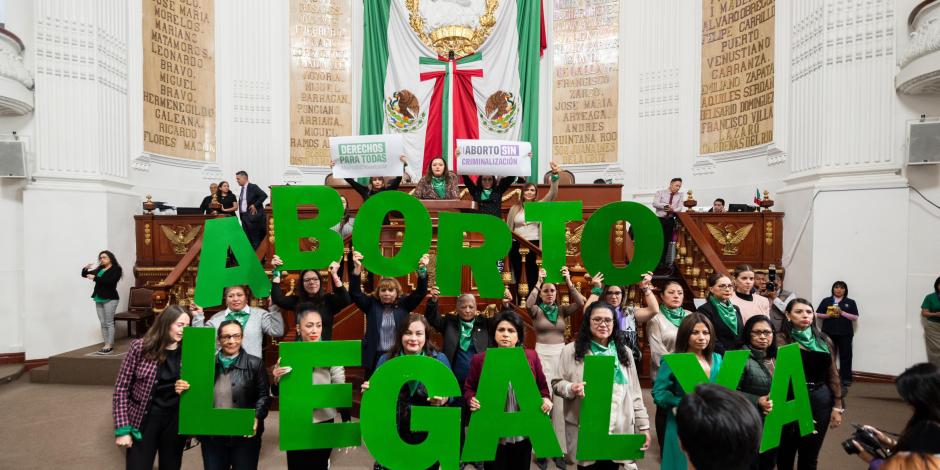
[180,236]
[403,111]
[500,113]
[729,236]
[573,240]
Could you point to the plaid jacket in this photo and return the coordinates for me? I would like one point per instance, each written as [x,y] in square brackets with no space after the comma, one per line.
[133,388]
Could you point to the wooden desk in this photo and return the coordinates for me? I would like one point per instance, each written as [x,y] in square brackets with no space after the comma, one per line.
[760,233]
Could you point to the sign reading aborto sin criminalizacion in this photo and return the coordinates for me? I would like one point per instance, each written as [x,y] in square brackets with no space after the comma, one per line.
[179,78]
[494,157]
[367,155]
[737,74]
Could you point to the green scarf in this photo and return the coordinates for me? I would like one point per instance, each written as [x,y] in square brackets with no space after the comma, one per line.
[610,350]
[550,311]
[439,185]
[727,313]
[466,328]
[485,194]
[227,361]
[240,315]
[674,315]
[809,340]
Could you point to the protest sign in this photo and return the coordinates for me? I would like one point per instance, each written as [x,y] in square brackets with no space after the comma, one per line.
[494,157]
[366,155]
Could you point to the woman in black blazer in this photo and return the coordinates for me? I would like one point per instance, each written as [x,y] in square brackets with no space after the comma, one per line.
[105,275]
[839,314]
[725,317]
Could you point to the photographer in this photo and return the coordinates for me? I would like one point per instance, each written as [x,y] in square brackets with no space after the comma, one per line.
[919,387]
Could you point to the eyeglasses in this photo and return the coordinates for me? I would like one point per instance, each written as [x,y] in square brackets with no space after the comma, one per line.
[724,286]
[312,279]
[224,338]
[761,333]
[602,321]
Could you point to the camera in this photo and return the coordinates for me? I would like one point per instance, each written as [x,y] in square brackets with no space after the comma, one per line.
[868,441]
[771,279]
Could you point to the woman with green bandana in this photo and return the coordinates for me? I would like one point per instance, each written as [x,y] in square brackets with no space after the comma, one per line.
[628,316]
[759,337]
[412,340]
[438,182]
[145,404]
[661,333]
[822,382]
[725,316]
[695,336]
[549,320]
[241,381]
[257,322]
[598,337]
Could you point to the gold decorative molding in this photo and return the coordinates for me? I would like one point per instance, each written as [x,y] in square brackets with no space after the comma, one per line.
[460,39]
[511,194]
[271,230]
[147,234]
[180,236]
[729,236]
[769,233]
[573,240]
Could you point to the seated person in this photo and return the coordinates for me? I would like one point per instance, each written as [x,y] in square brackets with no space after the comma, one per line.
[204,206]
[438,182]
[718,206]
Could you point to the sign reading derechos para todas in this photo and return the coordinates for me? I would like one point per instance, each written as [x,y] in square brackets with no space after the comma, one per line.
[366,155]
[494,157]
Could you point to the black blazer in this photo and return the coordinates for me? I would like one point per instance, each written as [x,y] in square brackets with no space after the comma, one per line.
[254,196]
[725,339]
[449,327]
[249,385]
[333,303]
[493,205]
[106,285]
[366,191]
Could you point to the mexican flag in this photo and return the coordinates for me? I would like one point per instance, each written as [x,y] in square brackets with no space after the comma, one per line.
[431,98]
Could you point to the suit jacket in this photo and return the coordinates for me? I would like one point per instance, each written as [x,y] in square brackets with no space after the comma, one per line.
[449,327]
[133,388]
[254,196]
[725,339]
[106,285]
[476,368]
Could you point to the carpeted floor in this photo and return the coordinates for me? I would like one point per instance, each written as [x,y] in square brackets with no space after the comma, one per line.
[46,426]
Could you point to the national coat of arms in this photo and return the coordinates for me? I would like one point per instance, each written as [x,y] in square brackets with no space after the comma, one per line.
[501,112]
[403,112]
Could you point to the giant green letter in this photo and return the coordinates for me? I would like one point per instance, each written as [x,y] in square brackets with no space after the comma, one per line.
[213,277]
[197,414]
[689,372]
[416,240]
[290,229]
[378,415]
[488,424]
[299,397]
[788,370]
[452,256]
[595,242]
[594,441]
[554,216]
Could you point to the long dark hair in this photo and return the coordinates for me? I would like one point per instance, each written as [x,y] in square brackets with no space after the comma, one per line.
[623,296]
[583,344]
[513,318]
[746,334]
[157,337]
[685,332]
[427,170]
[521,199]
[398,349]
[919,386]
[841,284]
[786,327]
[317,299]
[114,262]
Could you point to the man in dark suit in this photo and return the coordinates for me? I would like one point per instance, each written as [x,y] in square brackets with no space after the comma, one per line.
[251,209]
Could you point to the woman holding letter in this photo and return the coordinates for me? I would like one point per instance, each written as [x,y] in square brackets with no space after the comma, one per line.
[310,327]
[599,336]
[256,322]
[438,182]
[327,304]
[661,332]
[626,314]
[759,338]
[530,232]
[241,381]
[377,184]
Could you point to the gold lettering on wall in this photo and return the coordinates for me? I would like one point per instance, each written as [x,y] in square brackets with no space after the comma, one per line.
[586,67]
[737,74]
[179,78]
[320,87]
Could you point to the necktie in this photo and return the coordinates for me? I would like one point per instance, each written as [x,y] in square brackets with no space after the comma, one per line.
[241,200]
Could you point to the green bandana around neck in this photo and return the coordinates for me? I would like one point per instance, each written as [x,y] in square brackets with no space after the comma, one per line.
[809,340]
[466,328]
[726,311]
[227,362]
[439,185]
[610,350]
[240,315]
[485,194]
[550,311]
[674,315]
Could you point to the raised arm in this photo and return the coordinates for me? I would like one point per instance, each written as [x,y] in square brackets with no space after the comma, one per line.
[574,294]
[339,298]
[431,312]
[362,190]
[533,299]
[361,300]
[652,304]
[472,187]
[272,323]
[393,183]
[503,184]
[412,300]
[553,189]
